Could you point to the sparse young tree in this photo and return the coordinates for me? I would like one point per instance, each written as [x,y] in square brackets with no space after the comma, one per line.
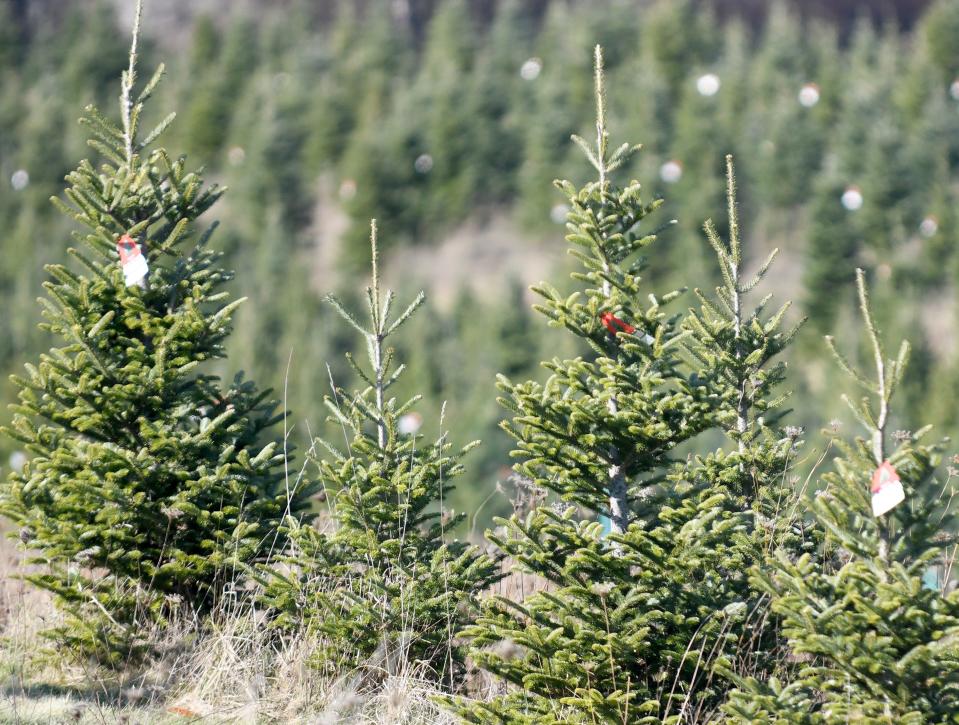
[386,586]
[874,644]
[756,510]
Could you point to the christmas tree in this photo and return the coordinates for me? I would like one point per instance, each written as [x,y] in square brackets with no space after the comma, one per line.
[868,641]
[604,636]
[755,507]
[150,481]
[387,586]
[653,622]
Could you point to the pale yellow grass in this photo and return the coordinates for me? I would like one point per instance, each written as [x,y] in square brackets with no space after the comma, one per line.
[234,671]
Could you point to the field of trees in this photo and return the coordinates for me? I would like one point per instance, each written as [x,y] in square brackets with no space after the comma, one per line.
[203,555]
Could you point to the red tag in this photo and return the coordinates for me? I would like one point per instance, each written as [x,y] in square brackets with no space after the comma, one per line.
[884,476]
[128,249]
[614,324]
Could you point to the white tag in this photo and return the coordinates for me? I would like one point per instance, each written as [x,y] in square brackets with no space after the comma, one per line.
[135,270]
[887,492]
[132,260]
[887,498]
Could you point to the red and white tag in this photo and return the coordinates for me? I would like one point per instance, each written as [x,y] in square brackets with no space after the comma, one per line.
[615,325]
[132,261]
[887,490]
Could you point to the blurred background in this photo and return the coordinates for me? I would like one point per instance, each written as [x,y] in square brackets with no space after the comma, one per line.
[447,120]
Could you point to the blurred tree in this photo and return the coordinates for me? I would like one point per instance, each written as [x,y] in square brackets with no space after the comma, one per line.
[92,53]
[675,32]
[831,255]
[941,28]
[209,116]
[447,138]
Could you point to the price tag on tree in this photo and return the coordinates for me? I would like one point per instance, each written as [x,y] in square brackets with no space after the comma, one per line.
[132,261]
[887,492]
[615,325]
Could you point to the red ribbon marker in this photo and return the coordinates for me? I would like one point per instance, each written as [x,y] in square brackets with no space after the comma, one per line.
[614,324]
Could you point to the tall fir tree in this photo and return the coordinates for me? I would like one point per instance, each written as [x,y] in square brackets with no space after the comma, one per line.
[386,586]
[598,642]
[941,28]
[756,507]
[149,481]
[869,642]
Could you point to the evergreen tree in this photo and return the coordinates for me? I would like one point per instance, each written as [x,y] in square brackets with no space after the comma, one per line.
[675,32]
[11,40]
[210,113]
[872,642]
[351,60]
[831,254]
[547,129]
[700,145]
[448,114]
[941,26]
[597,643]
[495,106]
[380,161]
[91,52]
[755,507]
[149,481]
[386,584]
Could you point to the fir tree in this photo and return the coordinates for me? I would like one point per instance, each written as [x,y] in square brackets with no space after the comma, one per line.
[448,114]
[149,480]
[494,105]
[597,643]
[874,644]
[677,39]
[386,586]
[210,113]
[831,255]
[546,131]
[755,508]
[941,27]
[96,52]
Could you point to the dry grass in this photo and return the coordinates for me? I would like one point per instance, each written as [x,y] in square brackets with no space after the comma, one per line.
[231,670]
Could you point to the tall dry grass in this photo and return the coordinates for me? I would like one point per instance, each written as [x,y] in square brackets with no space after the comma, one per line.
[229,668]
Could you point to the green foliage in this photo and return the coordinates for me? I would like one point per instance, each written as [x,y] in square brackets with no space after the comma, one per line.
[942,33]
[386,583]
[753,483]
[831,254]
[315,114]
[869,641]
[625,623]
[149,481]
[653,622]
[209,116]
